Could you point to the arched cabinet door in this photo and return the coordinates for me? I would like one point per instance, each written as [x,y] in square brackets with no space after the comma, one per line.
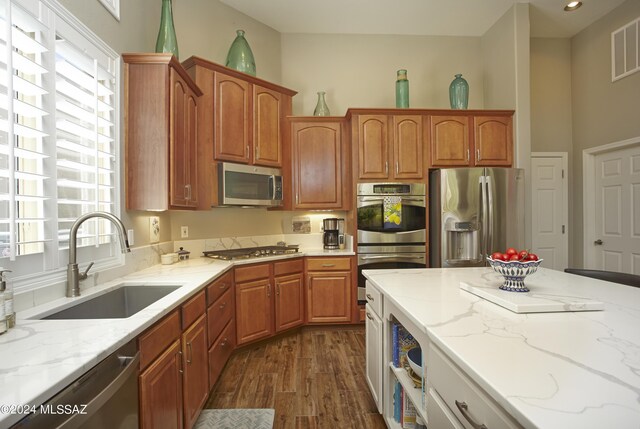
[373,146]
[232,118]
[450,141]
[493,140]
[407,147]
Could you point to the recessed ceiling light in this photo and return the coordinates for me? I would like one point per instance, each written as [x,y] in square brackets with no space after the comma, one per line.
[571,6]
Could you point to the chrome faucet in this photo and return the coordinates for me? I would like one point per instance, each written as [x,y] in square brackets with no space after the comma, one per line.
[73,274]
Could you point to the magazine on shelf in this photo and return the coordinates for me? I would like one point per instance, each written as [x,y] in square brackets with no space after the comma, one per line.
[408,412]
[405,343]
[397,402]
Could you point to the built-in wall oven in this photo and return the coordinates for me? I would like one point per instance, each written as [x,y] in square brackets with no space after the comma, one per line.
[391,228]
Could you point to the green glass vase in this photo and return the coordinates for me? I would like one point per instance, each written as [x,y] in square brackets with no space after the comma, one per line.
[240,56]
[167,41]
[459,93]
[402,89]
[321,107]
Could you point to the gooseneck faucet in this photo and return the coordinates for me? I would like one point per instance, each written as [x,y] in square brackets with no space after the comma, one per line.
[73,274]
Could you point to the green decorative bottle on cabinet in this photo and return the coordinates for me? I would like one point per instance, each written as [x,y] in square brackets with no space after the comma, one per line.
[321,107]
[240,56]
[167,41]
[402,89]
[459,93]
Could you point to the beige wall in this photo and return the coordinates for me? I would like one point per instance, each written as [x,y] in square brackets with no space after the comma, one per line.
[360,70]
[498,63]
[603,111]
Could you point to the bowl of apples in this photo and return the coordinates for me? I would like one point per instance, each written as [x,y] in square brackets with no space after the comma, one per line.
[514,266]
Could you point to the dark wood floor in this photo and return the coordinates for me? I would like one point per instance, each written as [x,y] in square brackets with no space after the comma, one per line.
[313,378]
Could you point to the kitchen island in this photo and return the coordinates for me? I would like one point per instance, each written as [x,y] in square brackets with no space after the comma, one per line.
[537,370]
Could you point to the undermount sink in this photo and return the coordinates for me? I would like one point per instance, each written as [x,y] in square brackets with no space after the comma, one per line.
[120,303]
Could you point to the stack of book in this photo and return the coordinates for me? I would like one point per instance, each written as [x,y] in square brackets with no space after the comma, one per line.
[404,412]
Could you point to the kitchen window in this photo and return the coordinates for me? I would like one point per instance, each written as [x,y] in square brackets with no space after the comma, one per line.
[59,139]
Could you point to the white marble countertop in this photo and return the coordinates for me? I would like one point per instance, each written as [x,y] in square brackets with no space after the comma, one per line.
[38,358]
[548,370]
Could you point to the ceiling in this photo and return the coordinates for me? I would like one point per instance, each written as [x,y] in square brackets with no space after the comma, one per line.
[417,17]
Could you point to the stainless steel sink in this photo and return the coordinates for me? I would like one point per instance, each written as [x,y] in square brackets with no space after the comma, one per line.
[119,303]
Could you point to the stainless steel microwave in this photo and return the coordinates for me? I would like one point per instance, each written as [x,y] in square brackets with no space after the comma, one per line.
[249,185]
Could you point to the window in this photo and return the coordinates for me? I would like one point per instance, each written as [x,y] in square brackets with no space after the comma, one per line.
[625,50]
[59,148]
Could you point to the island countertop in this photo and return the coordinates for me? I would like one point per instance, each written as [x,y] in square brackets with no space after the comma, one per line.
[548,370]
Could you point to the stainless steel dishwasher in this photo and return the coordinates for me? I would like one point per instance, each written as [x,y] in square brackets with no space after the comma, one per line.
[106,397]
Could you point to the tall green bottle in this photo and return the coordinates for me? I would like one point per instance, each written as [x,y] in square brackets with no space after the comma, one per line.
[167,41]
[240,56]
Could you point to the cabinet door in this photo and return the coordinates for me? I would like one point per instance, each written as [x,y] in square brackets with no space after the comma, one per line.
[329,297]
[493,140]
[449,141]
[267,146]
[179,147]
[253,311]
[232,119]
[374,366]
[161,391]
[317,165]
[191,143]
[407,147]
[373,147]
[289,301]
[196,371]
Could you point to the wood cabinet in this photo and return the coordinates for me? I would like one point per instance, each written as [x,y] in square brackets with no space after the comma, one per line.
[374,353]
[289,298]
[221,329]
[269,299]
[390,146]
[161,125]
[329,289]
[318,160]
[174,383]
[241,119]
[471,139]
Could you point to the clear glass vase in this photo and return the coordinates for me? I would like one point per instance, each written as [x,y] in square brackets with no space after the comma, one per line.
[167,41]
[240,56]
[321,106]
[459,93]
[402,89]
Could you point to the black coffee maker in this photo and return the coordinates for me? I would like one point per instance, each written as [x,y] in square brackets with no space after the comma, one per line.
[331,233]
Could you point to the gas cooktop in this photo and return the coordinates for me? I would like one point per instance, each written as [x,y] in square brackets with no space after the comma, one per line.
[250,252]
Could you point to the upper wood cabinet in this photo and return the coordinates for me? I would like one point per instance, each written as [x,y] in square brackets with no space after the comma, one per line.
[241,119]
[475,139]
[318,163]
[389,146]
[161,114]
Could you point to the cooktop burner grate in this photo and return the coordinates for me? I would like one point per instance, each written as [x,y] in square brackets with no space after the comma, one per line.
[250,252]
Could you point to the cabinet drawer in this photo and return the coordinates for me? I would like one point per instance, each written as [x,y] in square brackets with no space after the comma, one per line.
[193,309]
[328,264]
[157,338]
[439,414]
[288,267]
[252,272]
[219,286]
[374,299]
[454,386]
[220,351]
[219,314]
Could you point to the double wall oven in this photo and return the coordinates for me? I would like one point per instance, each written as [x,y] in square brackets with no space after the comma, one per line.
[391,228]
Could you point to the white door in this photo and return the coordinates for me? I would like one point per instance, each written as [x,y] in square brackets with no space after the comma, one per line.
[549,220]
[616,242]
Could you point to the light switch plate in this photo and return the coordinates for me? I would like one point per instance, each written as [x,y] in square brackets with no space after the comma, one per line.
[154,229]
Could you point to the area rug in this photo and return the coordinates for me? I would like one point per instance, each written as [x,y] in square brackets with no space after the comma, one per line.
[236,418]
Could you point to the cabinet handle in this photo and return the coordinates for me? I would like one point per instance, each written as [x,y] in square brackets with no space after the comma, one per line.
[397,169]
[256,152]
[369,297]
[369,316]
[223,286]
[223,305]
[467,155]
[181,369]
[190,353]
[477,154]
[246,152]
[386,167]
[187,191]
[277,288]
[224,342]
[297,199]
[328,265]
[464,409]
[269,289]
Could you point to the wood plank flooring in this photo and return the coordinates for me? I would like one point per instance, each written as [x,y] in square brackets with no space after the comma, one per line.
[314,378]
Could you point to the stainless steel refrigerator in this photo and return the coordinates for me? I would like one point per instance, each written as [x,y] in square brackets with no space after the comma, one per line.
[474,212]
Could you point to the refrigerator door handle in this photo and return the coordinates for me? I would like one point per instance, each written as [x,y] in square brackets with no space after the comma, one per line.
[483,218]
[490,206]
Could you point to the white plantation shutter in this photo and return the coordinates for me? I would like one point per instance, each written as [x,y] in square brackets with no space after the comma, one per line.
[59,114]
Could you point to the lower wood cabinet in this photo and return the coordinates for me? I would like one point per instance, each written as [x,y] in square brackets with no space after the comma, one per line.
[329,290]
[196,370]
[220,351]
[221,327]
[254,310]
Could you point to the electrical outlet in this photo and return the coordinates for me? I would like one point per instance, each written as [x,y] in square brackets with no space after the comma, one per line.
[154,229]
[184,232]
[130,237]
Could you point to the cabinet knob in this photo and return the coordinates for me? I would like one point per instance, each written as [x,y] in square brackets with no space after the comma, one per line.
[223,305]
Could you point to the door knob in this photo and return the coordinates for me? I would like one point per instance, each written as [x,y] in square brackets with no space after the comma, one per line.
[598,242]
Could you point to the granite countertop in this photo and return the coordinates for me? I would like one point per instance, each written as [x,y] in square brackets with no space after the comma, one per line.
[548,370]
[38,358]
